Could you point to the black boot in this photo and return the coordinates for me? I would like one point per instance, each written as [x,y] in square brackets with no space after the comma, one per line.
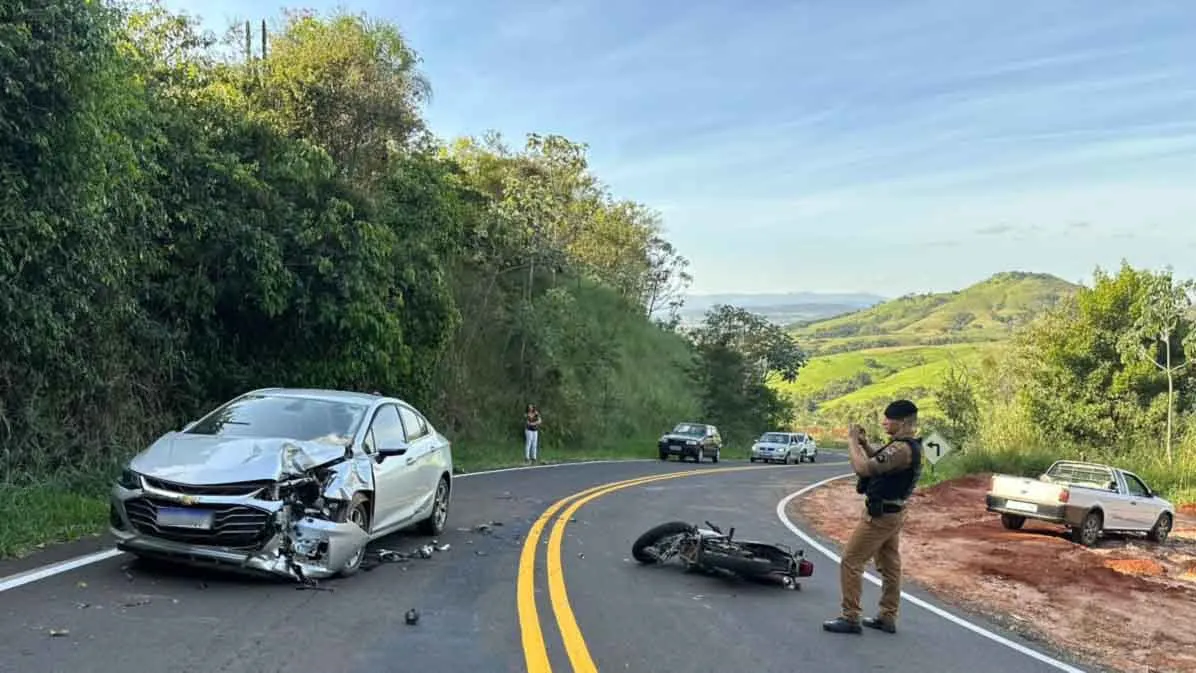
[880,624]
[842,625]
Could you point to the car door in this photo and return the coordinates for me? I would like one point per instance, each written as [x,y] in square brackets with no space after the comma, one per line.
[422,455]
[395,482]
[1119,510]
[1142,512]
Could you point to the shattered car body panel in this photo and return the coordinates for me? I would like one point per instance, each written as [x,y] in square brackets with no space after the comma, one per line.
[304,509]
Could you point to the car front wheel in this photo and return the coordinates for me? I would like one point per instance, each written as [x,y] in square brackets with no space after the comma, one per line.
[435,523]
[358,512]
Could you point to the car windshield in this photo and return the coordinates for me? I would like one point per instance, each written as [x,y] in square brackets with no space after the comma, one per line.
[774,438]
[278,416]
[689,429]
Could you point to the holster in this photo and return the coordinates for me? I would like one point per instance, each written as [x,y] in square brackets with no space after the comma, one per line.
[875,507]
[861,485]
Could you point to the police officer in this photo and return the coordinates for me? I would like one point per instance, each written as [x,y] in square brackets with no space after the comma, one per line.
[887,479]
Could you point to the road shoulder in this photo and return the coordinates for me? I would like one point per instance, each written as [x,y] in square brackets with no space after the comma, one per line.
[1034,582]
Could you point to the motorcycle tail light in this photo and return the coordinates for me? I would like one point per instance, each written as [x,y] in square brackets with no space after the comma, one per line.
[805,568]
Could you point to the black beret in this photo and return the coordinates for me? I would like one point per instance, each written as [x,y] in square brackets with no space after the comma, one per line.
[901,409]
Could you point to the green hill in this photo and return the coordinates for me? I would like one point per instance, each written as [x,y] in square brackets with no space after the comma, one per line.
[987,311]
[906,346]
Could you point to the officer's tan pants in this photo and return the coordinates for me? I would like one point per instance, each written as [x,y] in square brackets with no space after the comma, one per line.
[874,537]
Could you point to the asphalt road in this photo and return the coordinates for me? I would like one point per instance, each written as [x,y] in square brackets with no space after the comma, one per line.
[120,616]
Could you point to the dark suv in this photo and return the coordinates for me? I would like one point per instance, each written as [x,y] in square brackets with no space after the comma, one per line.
[692,440]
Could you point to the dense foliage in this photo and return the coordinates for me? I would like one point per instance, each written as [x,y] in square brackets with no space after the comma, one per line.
[1102,376]
[179,226]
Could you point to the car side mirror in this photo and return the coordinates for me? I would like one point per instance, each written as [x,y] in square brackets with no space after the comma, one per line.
[396,450]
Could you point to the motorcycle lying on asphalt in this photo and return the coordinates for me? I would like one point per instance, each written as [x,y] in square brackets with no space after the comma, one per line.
[711,551]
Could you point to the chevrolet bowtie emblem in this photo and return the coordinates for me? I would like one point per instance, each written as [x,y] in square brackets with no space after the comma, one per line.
[187,499]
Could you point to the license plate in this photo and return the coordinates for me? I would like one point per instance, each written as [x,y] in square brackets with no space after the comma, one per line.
[1021,506]
[178,517]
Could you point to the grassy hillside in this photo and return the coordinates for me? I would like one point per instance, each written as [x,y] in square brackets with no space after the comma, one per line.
[906,346]
[987,311]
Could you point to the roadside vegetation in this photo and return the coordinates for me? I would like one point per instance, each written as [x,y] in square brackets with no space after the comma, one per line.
[183,219]
[1103,376]
[905,347]
[1095,374]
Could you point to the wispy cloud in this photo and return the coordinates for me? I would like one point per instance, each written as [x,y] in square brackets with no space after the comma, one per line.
[849,130]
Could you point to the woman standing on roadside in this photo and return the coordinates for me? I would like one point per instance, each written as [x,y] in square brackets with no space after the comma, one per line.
[531,434]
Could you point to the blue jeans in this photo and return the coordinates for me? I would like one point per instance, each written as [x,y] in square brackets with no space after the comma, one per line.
[531,445]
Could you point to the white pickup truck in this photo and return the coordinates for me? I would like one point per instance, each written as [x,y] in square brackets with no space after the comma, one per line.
[1087,498]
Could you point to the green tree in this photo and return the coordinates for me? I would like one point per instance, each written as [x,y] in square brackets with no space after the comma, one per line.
[345,82]
[1162,333]
[737,352]
[956,397]
[1078,383]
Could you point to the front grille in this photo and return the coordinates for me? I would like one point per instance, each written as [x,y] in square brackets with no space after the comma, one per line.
[233,526]
[240,488]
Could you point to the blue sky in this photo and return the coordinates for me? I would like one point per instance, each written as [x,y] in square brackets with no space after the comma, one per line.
[888,146]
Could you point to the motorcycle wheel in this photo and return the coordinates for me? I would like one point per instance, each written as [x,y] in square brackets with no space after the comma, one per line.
[639,549]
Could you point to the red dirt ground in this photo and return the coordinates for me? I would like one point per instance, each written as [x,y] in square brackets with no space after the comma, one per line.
[1126,602]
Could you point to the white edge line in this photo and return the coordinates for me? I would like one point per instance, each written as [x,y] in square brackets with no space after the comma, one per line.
[37,574]
[959,621]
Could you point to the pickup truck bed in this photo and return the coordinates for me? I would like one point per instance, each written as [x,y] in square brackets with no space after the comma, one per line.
[1087,498]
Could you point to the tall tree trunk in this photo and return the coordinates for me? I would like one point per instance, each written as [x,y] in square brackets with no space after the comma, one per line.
[1170,396]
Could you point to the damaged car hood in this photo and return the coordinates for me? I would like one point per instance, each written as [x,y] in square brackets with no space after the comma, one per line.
[206,459]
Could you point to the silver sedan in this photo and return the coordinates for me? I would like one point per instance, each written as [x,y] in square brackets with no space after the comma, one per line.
[291,482]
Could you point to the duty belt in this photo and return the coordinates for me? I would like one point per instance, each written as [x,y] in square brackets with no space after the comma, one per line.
[891,506]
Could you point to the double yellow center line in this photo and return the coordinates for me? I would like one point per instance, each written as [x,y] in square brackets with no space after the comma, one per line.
[534,650]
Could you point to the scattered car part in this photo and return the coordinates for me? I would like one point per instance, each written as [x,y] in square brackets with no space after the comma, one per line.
[710,550]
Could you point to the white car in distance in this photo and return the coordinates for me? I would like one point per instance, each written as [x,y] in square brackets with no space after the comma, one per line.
[785,447]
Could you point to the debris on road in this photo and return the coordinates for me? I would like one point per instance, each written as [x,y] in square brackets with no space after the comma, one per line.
[412,616]
[1087,600]
[135,601]
[391,556]
[59,633]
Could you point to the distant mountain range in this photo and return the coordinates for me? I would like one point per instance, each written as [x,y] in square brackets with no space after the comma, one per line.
[782,308]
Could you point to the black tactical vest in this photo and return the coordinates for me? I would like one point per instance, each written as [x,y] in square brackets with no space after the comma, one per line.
[897,485]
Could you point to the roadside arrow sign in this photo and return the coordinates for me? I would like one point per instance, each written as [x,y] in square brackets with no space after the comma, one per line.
[935,447]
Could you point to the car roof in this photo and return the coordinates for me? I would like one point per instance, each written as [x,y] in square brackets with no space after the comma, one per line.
[326,395]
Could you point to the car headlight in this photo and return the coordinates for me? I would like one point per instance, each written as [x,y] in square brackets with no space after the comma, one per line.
[129,479]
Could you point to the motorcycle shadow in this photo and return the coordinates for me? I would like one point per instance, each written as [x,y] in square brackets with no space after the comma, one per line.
[749,585]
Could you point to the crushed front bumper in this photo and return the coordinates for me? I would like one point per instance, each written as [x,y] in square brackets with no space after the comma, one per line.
[240,533]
